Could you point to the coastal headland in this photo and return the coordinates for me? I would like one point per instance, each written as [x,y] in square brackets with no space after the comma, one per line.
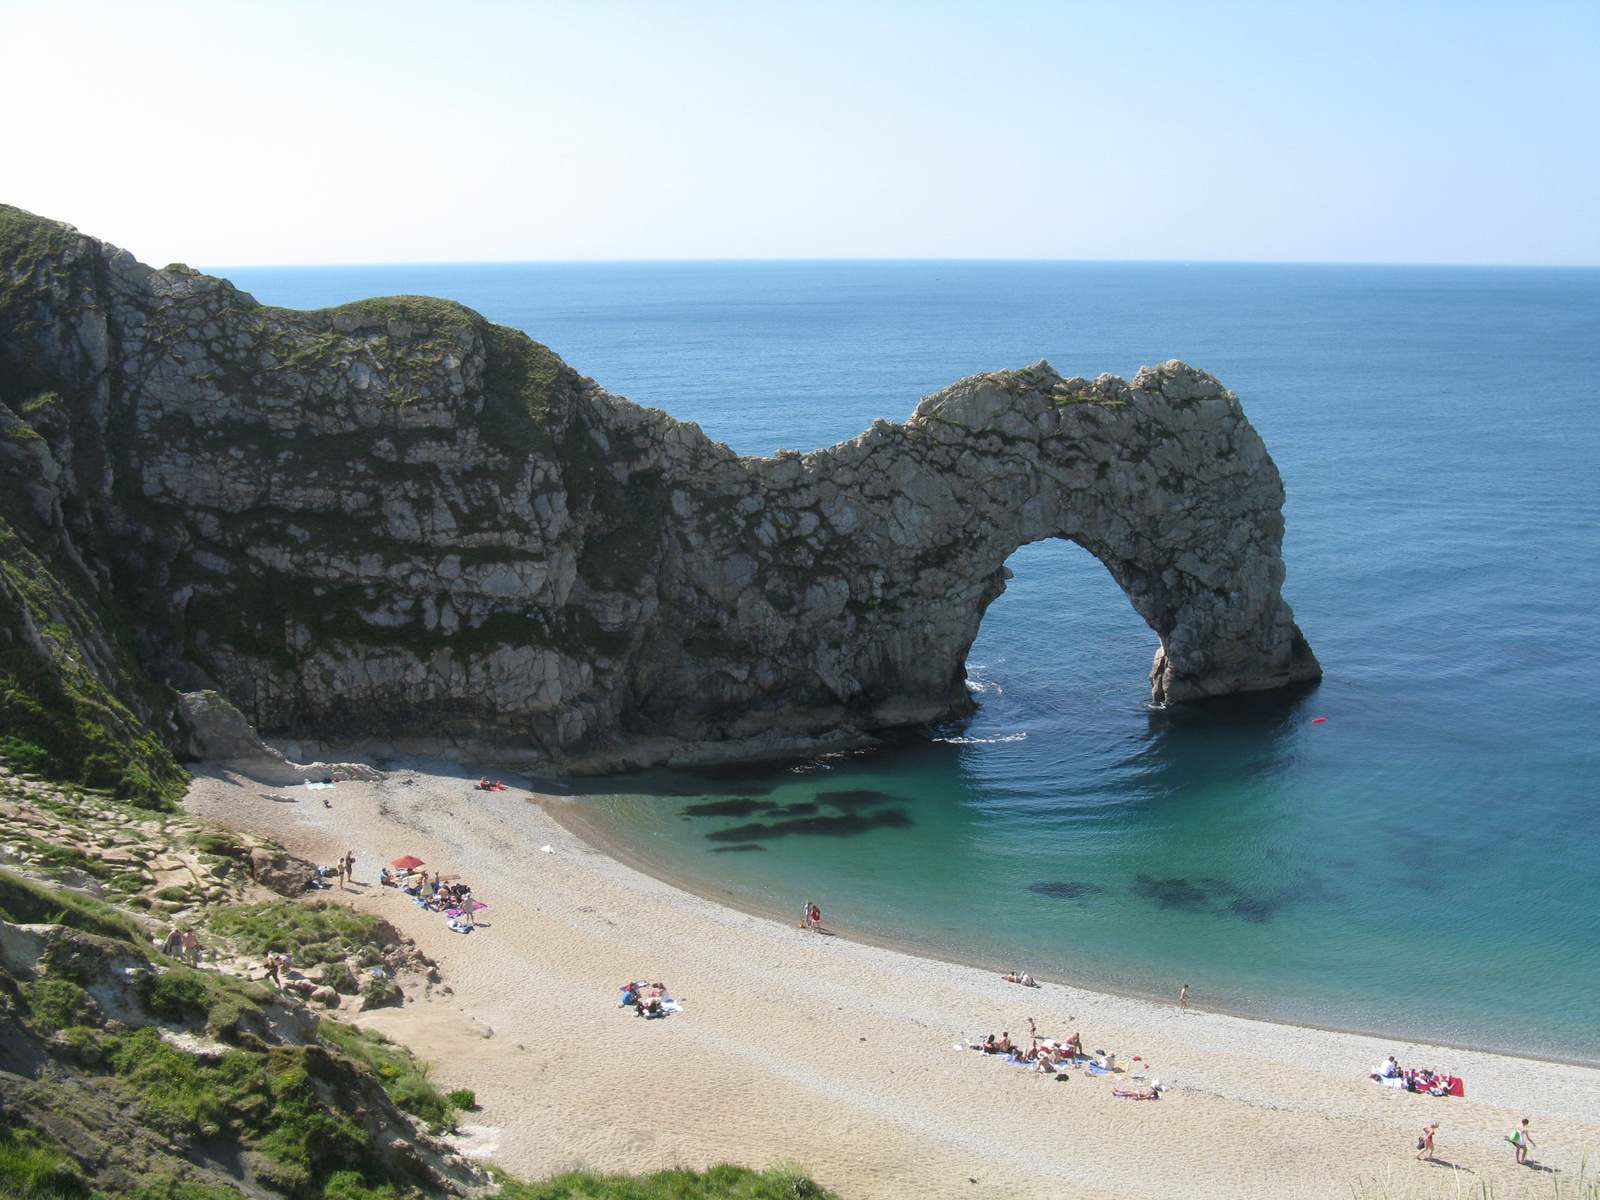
[840,1056]
[397,523]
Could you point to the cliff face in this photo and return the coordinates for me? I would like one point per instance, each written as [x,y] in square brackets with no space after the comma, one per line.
[395,520]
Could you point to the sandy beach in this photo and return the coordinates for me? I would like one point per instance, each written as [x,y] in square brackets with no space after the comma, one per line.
[839,1057]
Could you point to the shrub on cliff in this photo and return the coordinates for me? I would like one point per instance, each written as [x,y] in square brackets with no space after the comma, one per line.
[403,1076]
[30,1169]
[22,900]
[315,932]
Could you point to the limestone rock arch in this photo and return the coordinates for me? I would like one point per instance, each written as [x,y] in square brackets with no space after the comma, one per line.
[883,552]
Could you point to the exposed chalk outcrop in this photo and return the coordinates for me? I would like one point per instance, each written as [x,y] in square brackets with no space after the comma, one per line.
[395,520]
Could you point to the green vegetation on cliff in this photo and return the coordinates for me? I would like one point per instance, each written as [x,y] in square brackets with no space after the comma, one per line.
[719,1183]
[59,714]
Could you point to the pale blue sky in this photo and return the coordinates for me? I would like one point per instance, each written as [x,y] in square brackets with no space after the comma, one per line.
[262,131]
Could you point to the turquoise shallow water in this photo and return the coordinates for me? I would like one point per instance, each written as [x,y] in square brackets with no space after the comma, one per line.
[1424,862]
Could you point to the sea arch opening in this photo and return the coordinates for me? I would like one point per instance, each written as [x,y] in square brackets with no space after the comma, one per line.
[1062,635]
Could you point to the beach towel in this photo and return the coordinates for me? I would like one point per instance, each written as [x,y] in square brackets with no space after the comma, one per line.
[1458,1086]
[309,784]
[1097,1069]
[1391,1081]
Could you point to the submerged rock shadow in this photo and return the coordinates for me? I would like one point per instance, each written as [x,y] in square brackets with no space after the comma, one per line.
[1214,896]
[804,818]
[845,825]
[1066,889]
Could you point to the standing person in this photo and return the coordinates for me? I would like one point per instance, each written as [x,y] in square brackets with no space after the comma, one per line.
[816,918]
[350,865]
[190,946]
[1183,998]
[339,870]
[1522,1140]
[1425,1142]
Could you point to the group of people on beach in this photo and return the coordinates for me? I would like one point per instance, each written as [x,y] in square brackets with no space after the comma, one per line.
[1040,1054]
[811,918]
[648,999]
[1054,1057]
[1432,1083]
[345,869]
[436,894]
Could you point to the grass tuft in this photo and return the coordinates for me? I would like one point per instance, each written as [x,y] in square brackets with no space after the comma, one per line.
[723,1182]
[314,932]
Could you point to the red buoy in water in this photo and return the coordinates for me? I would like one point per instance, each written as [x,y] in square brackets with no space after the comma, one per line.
[1318,720]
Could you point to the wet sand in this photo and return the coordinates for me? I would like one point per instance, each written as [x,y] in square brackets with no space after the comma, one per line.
[836,1056]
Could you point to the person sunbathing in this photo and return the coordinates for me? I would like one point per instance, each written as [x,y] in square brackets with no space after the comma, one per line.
[1001,1044]
[1145,1093]
[1074,1046]
[650,1004]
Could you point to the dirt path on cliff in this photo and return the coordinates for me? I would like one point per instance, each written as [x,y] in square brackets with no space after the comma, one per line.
[838,1057]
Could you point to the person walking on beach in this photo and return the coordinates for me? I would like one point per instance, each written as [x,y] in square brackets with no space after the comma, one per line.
[1183,998]
[1425,1142]
[1522,1140]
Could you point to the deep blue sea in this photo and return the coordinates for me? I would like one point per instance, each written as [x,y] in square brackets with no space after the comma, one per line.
[1425,862]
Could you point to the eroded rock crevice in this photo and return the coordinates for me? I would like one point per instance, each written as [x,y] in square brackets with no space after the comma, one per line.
[397,521]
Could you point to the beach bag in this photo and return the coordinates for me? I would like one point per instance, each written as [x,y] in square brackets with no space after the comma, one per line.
[1514,1137]
[1421,1142]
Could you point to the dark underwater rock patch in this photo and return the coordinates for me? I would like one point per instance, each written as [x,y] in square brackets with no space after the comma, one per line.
[1070,889]
[735,849]
[854,798]
[848,825]
[739,806]
[1257,909]
[1172,893]
[1215,896]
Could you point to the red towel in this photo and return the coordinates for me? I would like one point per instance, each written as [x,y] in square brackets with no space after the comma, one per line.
[1457,1088]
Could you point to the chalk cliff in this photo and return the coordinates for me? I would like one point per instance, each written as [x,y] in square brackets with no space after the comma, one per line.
[397,521]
